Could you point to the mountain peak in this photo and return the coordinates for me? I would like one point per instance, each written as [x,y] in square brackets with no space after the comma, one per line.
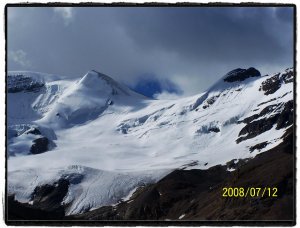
[241,74]
[101,82]
[93,76]
[98,74]
[97,81]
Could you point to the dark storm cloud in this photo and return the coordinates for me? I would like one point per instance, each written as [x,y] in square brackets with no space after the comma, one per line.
[214,34]
[192,47]
[284,14]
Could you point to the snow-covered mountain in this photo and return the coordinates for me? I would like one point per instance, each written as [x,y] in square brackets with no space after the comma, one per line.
[106,140]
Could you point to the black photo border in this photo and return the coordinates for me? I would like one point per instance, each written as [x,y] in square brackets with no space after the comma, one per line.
[154,222]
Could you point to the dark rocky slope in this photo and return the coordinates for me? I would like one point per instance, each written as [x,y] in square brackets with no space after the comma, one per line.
[46,203]
[280,115]
[22,83]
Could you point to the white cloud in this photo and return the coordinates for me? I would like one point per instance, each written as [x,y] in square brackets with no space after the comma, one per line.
[19,57]
[166,96]
[66,13]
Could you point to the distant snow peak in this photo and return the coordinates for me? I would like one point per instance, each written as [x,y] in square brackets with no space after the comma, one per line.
[97,74]
[91,77]
[98,81]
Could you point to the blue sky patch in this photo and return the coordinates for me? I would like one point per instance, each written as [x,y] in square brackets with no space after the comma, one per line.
[150,85]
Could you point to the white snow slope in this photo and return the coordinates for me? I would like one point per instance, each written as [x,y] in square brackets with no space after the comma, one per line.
[110,140]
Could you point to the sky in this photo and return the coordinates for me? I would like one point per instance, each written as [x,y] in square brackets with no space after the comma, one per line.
[161,51]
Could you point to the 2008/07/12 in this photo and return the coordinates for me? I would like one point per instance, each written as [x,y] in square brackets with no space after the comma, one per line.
[250,191]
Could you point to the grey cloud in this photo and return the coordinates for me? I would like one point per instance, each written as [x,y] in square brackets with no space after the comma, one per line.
[219,34]
[191,46]
[284,14]
[19,57]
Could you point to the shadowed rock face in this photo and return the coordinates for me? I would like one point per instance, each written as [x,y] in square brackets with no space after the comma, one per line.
[39,146]
[255,127]
[258,146]
[19,83]
[24,211]
[214,129]
[33,131]
[49,197]
[241,74]
[46,203]
[271,85]
[288,77]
